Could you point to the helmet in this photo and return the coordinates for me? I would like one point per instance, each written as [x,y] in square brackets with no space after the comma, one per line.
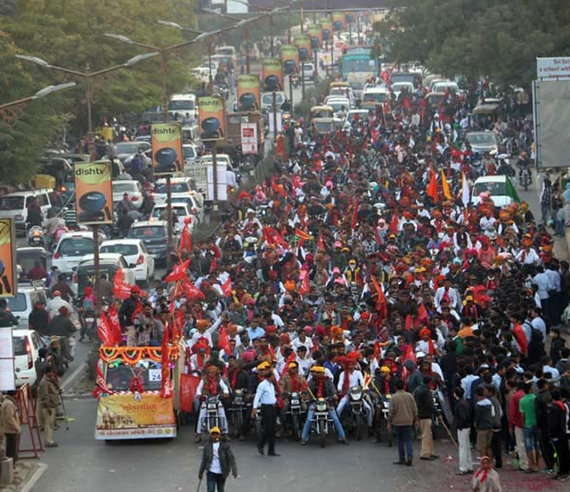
[384,369]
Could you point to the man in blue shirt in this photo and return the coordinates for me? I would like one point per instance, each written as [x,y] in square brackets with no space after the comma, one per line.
[265,400]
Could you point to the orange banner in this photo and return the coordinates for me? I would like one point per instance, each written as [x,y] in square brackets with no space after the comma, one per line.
[135,416]
[212,118]
[167,148]
[94,193]
[8,280]
[248,92]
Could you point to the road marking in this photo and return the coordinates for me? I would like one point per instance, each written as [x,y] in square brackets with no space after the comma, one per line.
[27,487]
[69,379]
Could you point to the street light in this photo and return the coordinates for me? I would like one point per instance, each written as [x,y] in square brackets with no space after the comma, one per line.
[86,76]
[50,89]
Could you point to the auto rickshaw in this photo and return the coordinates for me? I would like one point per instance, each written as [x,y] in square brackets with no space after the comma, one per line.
[321,111]
[26,259]
[324,126]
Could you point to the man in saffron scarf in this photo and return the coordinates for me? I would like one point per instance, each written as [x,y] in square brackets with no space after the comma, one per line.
[210,386]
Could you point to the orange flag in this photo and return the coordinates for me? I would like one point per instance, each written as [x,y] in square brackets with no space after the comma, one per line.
[431,189]
[445,187]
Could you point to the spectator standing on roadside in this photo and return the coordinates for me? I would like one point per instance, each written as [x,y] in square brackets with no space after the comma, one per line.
[403,417]
[463,422]
[424,402]
[527,407]
[11,424]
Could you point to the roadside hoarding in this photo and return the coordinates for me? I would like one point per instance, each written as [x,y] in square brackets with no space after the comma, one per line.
[94,193]
[249,138]
[8,274]
[202,175]
[167,157]
[212,119]
[248,92]
[272,74]
[122,416]
[303,43]
[553,68]
[289,58]
[7,375]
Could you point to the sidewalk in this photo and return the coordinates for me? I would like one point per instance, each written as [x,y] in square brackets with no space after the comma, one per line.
[26,475]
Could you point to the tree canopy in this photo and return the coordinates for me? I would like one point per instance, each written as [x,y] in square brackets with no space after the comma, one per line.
[477,38]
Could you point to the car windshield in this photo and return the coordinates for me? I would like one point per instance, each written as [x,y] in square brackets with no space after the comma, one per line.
[12,203]
[324,126]
[189,152]
[124,249]
[481,139]
[18,303]
[494,188]
[338,106]
[76,246]
[378,97]
[268,99]
[127,147]
[159,212]
[147,232]
[308,67]
[19,345]
[225,51]
[403,77]
[120,375]
[122,187]
[174,188]
[178,105]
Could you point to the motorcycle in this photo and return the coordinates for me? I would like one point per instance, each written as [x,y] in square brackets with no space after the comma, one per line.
[294,415]
[211,418]
[320,421]
[238,413]
[36,237]
[357,418]
[383,418]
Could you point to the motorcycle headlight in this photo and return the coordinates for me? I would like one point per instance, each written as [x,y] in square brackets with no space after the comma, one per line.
[321,406]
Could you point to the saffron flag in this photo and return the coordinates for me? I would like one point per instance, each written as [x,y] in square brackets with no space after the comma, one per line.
[445,187]
[431,189]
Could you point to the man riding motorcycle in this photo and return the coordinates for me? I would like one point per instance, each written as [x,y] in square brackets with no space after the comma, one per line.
[321,387]
[210,386]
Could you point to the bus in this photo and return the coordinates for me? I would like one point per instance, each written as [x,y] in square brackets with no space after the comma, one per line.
[357,65]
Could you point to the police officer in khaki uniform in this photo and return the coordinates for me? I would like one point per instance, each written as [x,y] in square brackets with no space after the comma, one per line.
[11,424]
[48,395]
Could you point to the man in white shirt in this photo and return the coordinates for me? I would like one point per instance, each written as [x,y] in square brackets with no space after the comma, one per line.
[537,323]
[447,292]
[265,400]
[348,378]
[217,461]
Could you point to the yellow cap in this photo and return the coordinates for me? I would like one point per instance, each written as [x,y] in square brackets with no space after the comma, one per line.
[318,369]
[384,369]
[215,430]
[263,365]
[292,365]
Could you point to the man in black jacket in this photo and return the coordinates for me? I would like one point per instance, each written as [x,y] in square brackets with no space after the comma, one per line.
[464,422]
[424,402]
[557,414]
[217,461]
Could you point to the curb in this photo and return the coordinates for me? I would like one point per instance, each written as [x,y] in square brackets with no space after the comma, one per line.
[73,376]
[27,487]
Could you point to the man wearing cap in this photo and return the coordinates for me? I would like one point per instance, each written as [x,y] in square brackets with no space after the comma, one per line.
[265,400]
[217,461]
[55,303]
[320,386]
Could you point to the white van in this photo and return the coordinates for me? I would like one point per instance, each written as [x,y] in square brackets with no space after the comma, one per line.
[182,107]
[71,249]
[15,206]
[27,345]
[22,303]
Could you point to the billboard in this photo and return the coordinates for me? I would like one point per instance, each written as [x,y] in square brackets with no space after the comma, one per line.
[316,34]
[552,120]
[7,369]
[167,157]
[248,92]
[553,68]
[121,416]
[326,28]
[303,42]
[94,193]
[212,118]
[272,74]
[248,138]
[289,58]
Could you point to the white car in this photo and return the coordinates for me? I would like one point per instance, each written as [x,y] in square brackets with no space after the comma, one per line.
[190,153]
[309,72]
[125,150]
[399,87]
[267,100]
[135,254]
[132,188]
[71,248]
[181,191]
[22,303]
[180,209]
[496,186]
[27,345]
[15,206]
[340,106]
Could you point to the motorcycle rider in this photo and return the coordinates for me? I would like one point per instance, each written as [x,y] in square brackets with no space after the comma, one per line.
[322,387]
[349,378]
[211,385]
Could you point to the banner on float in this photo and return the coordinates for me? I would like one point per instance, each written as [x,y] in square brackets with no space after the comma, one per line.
[289,58]
[248,138]
[272,74]
[248,92]
[122,416]
[166,141]
[212,118]
[303,43]
[94,193]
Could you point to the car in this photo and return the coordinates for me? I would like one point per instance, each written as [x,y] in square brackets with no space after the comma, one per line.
[496,186]
[354,114]
[22,303]
[399,87]
[154,235]
[181,191]
[136,255]
[180,209]
[267,100]
[109,263]
[446,86]
[190,153]
[132,188]
[373,96]
[124,150]
[309,72]
[340,105]
[71,248]
[410,77]
[15,206]
[27,345]
[482,142]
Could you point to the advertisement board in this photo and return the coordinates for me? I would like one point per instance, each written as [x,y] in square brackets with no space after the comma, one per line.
[248,92]
[272,74]
[316,33]
[212,119]
[202,175]
[94,193]
[303,43]
[338,21]
[124,416]
[553,68]
[249,138]
[167,157]
[326,28]
[7,374]
[289,58]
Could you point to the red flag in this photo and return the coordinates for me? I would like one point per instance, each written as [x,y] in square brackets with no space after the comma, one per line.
[121,290]
[178,272]
[105,331]
[190,291]
[431,189]
[301,234]
[166,384]
[100,383]
[273,237]
[305,283]
[394,222]
[185,243]
[227,287]
[223,340]
[381,304]
[422,315]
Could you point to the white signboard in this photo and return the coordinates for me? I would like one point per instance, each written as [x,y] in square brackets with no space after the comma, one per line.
[248,138]
[271,120]
[7,376]
[222,181]
[553,68]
